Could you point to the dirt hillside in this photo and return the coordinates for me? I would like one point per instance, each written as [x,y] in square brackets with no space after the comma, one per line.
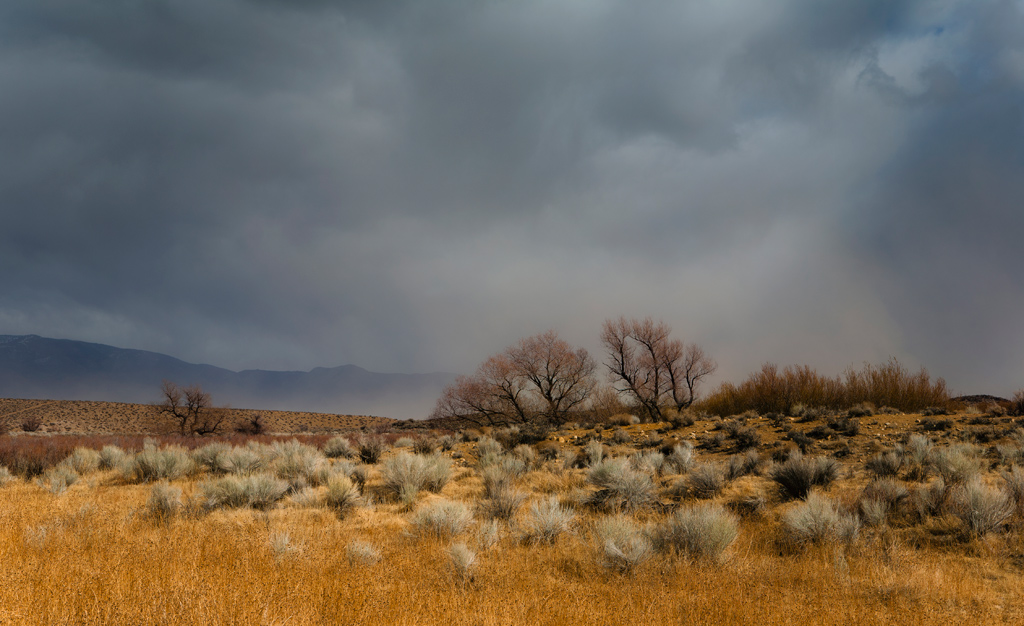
[99,418]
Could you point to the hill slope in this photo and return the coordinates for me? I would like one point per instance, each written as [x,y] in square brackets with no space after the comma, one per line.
[62,369]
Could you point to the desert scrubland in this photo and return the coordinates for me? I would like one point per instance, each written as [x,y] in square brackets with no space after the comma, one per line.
[864,516]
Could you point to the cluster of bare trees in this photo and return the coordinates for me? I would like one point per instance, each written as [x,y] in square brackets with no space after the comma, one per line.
[543,378]
[653,370]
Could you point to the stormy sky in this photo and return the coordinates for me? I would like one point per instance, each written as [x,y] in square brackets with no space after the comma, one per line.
[412,186]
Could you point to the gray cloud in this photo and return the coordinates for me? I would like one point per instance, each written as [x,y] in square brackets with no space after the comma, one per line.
[413,186]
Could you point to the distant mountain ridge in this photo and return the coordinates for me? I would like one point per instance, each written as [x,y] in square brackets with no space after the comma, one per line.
[63,369]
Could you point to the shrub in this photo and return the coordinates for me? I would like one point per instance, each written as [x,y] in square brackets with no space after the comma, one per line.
[111,457]
[58,479]
[931,424]
[1014,480]
[747,437]
[800,438]
[886,490]
[404,442]
[164,502]
[935,410]
[956,464]
[1017,404]
[798,474]
[743,464]
[259,491]
[879,498]
[424,445]
[527,454]
[982,509]
[361,552]
[681,457]
[621,436]
[5,476]
[462,561]
[844,425]
[404,475]
[885,464]
[820,432]
[447,442]
[930,499]
[619,486]
[547,520]
[703,531]
[339,448]
[818,519]
[83,460]
[485,446]
[705,481]
[153,464]
[648,462]
[342,495]
[502,502]
[370,449]
[442,519]
[299,464]
[748,504]
[874,512]
[918,449]
[594,453]
[624,546]
[488,534]
[306,498]
[209,456]
[281,545]
[682,419]
[241,461]
[860,410]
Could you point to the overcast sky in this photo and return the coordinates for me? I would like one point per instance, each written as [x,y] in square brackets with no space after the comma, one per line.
[412,186]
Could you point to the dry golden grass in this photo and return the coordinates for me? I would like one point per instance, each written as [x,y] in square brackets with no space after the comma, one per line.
[94,556]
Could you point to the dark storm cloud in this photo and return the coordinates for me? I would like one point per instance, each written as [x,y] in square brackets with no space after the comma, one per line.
[411,186]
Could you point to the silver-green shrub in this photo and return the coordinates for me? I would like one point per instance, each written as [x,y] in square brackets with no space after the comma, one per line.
[702,531]
[982,509]
[624,546]
[258,491]
[619,486]
[338,448]
[83,460]
[342,495]
[681,457]
[164,502]
[209,457]
[111,457]
[442,518]
[819,519]
[547,520]
[152,464]
[360,552]
[705,480]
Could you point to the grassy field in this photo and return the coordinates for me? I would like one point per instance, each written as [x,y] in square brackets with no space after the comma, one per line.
[325,540]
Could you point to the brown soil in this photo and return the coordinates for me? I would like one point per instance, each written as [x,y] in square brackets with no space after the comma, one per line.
[116,418]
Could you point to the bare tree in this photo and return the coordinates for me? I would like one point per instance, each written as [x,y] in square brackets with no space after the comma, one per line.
[251,424]
[561,376]
[653,369]
[539,377]
[192,409]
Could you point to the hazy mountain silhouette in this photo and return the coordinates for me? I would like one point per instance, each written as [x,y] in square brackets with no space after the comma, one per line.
[63,369]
